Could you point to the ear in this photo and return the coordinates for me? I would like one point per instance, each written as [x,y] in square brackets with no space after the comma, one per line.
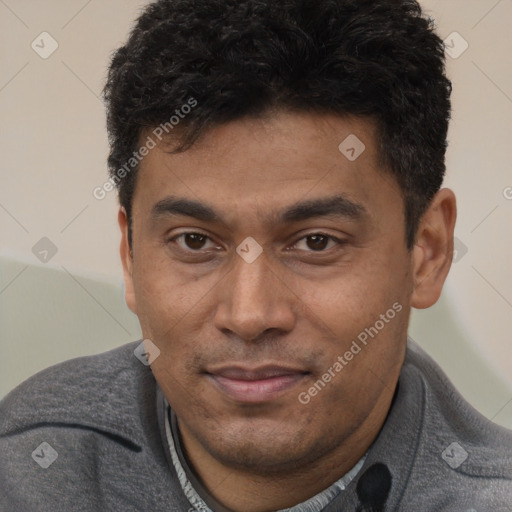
[433,250]
[126,260]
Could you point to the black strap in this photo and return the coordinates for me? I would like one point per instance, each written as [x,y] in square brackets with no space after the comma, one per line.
[373,488]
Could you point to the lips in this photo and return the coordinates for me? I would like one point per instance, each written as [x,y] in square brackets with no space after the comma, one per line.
[255,385]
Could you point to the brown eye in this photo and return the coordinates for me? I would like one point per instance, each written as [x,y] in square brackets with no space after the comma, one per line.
[317,242]
[195,240]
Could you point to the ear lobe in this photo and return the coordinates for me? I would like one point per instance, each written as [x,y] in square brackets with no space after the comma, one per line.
[126,260]
[433,251]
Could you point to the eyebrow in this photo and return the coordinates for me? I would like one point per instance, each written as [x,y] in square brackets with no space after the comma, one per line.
[332,206]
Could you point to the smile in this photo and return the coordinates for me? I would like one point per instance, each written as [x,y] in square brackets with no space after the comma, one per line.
[256,386]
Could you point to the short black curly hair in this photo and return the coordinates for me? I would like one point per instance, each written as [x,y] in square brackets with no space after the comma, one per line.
[237,58]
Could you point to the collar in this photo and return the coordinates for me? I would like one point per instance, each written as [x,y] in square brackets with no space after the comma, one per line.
[198,496]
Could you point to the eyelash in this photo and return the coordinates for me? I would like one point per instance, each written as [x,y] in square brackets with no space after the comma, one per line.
[339,242]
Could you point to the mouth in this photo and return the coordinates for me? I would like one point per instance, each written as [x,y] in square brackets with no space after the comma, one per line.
[257,385]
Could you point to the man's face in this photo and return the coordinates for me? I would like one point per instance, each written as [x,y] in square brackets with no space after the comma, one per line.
[244,339]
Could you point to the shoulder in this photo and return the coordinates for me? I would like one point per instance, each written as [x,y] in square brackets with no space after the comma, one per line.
[89,391]
[446,407]
[83,435]
[460,452]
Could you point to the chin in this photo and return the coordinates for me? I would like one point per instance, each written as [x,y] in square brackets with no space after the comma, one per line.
[264,449]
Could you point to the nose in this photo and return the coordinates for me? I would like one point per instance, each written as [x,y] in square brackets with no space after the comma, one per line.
[254,300]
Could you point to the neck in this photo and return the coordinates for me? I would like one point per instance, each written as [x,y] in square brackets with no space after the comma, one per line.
[250,490]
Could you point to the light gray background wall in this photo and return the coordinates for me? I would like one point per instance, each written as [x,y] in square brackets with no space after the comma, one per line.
[53,146]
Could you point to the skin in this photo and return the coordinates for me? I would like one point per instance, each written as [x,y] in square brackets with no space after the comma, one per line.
[301,303]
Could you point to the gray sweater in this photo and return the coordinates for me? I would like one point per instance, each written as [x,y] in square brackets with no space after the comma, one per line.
[87,435]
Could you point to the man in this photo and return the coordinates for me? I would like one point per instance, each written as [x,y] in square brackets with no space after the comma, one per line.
[279,167]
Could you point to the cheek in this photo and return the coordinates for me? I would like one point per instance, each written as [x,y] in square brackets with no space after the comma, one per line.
[354,298]
[165,296]
[365,314]
[174,312]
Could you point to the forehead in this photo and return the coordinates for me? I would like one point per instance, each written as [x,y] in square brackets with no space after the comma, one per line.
[263,165]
